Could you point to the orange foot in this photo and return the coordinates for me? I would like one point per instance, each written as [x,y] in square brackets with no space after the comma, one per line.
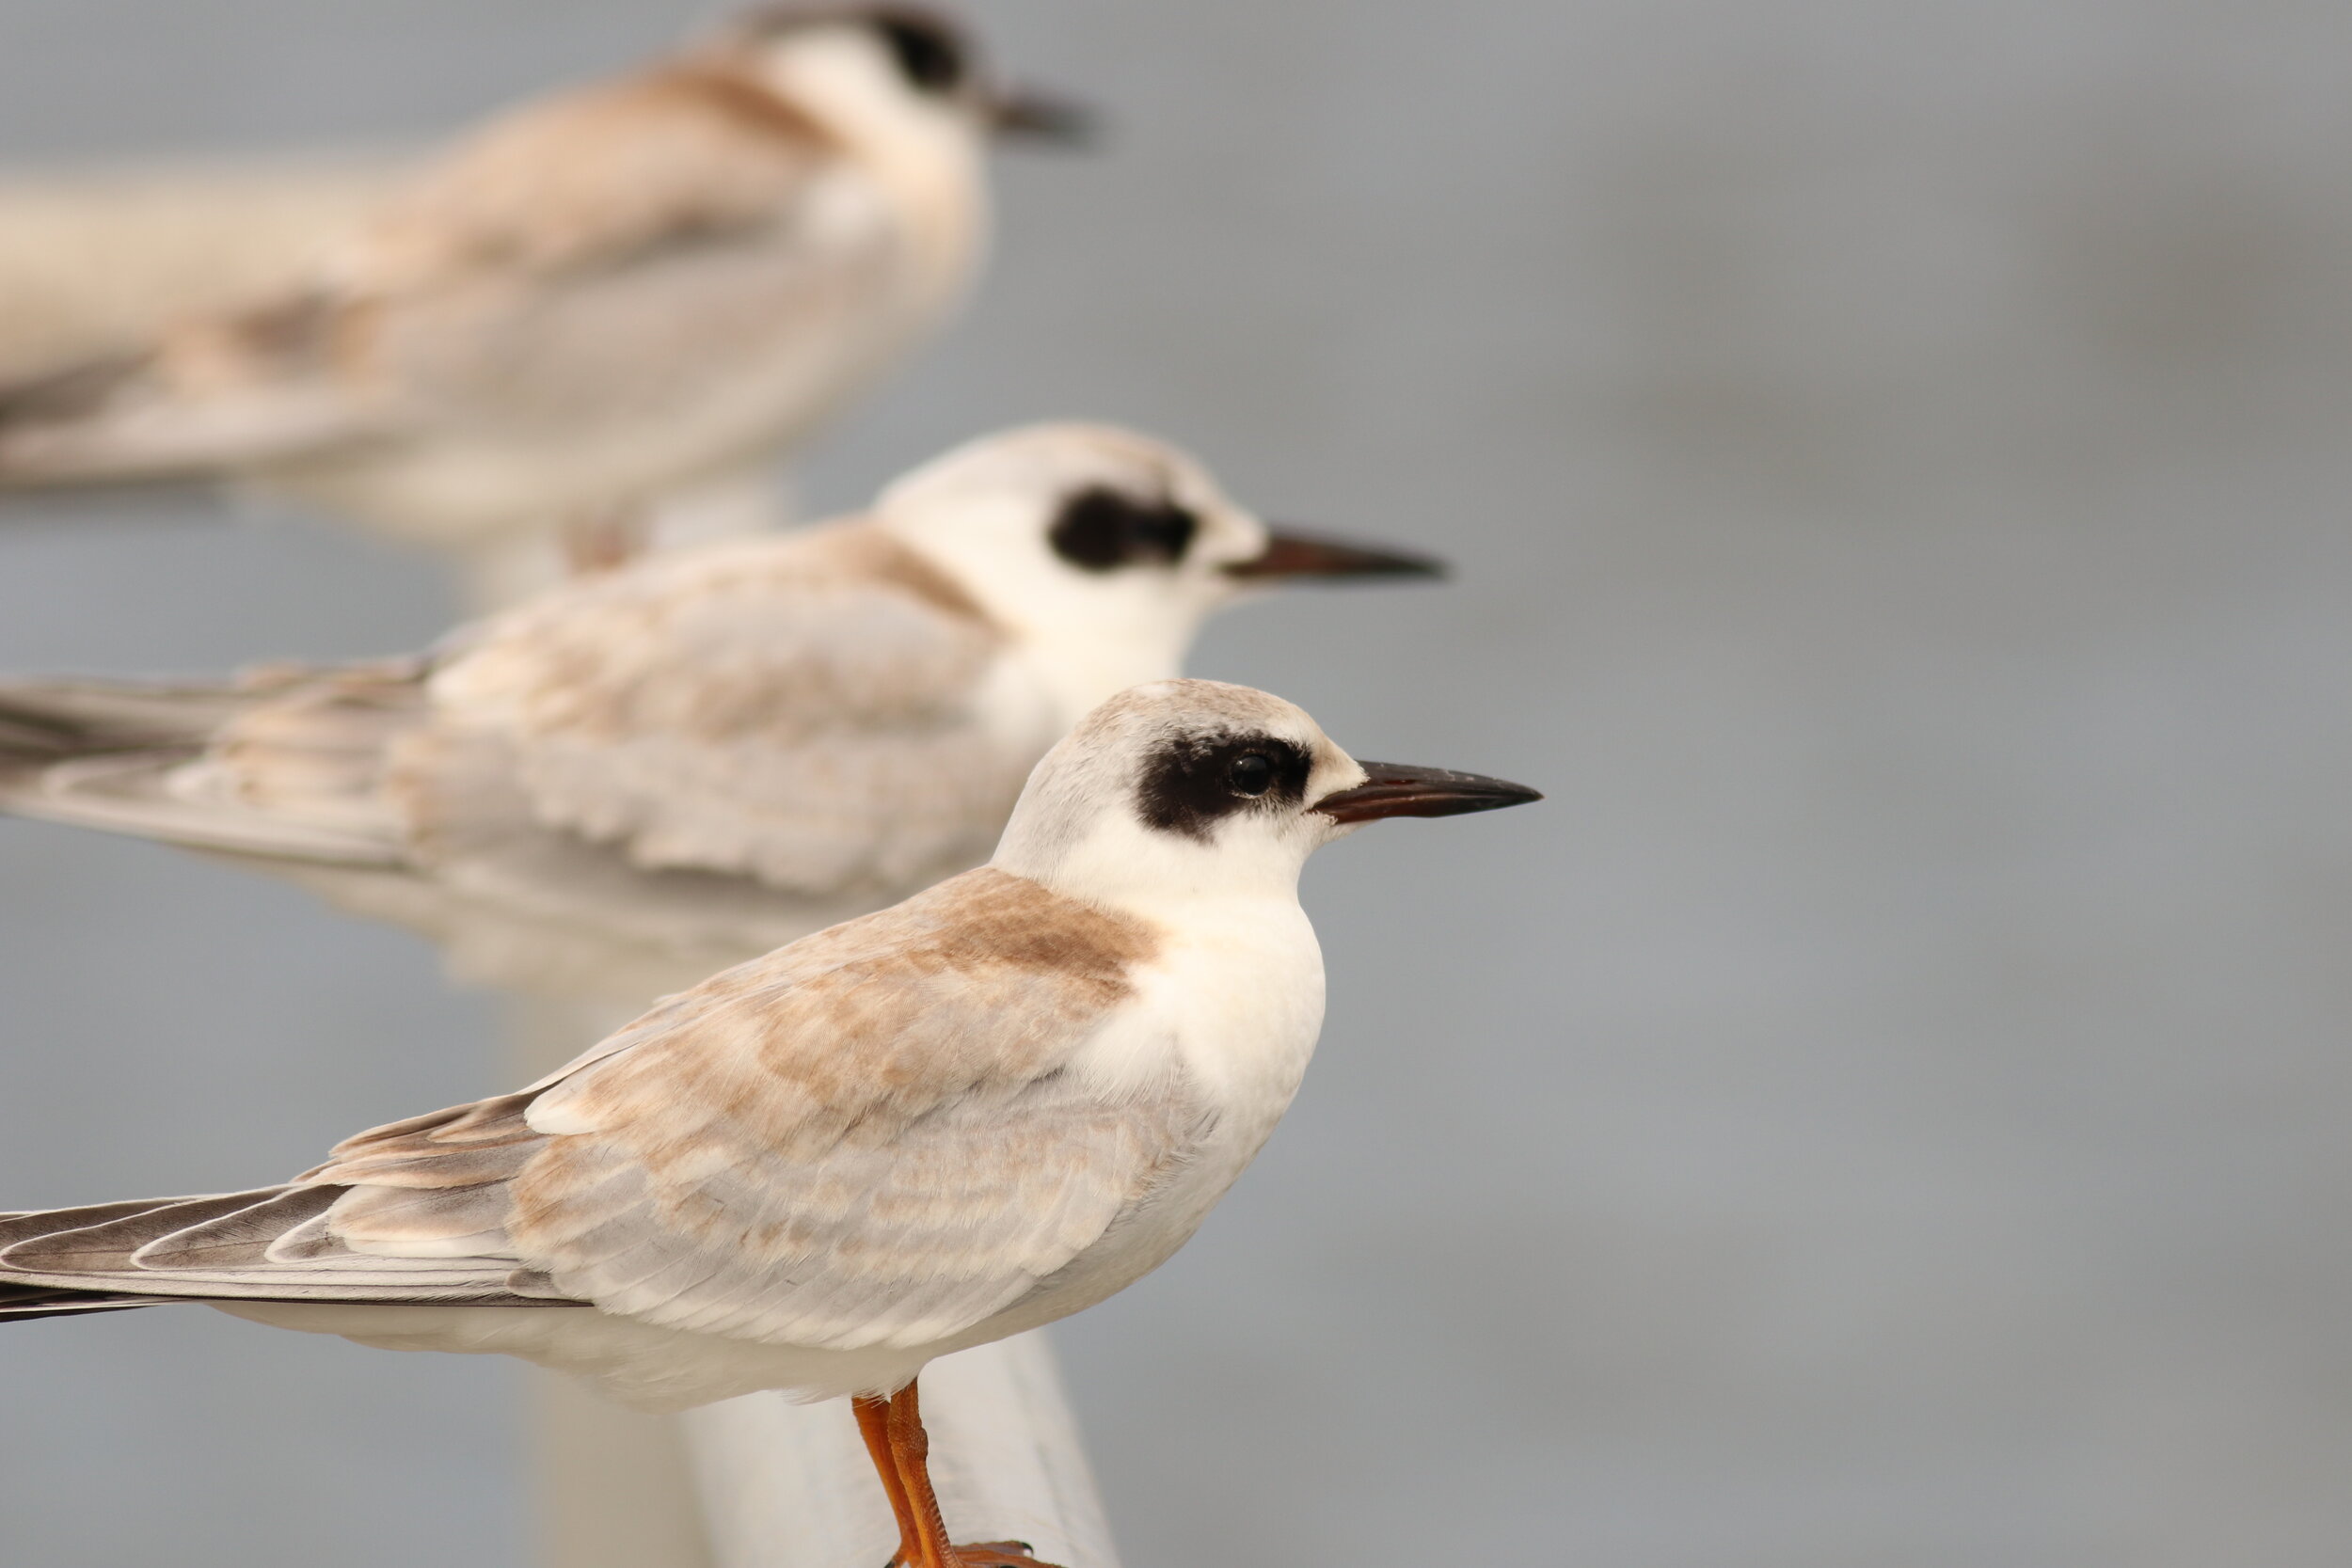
[987,1553]
[998,1554]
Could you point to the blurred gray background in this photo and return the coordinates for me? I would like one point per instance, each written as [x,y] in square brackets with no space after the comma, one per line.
[1888,1110]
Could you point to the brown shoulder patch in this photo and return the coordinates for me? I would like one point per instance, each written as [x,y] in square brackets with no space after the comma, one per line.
[871,552]
[736,98]
[992,918]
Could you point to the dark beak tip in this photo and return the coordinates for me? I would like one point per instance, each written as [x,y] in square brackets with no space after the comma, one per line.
[1396,790]
[1293,554]
[1046,117]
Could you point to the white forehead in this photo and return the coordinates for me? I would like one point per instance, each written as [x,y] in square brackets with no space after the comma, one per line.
[1142,719]
[1078,825]
[1052,460]
[1099,764]
[826,44]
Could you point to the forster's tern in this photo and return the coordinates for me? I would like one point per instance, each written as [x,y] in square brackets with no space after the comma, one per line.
[704,753]
[598,302]
[972,1113]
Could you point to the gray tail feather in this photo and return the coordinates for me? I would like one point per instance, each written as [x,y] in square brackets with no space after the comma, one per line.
[53,721]
[72,393]
[42,408]
[23,1302]
[27,1302]
[110,1257]
[134,420]
[110,755]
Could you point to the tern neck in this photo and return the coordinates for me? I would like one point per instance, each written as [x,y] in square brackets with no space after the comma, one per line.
[1084,638]
[926,154]
[1107,857]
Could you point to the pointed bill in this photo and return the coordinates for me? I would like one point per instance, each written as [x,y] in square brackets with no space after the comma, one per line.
[1294,554]
[1400,789]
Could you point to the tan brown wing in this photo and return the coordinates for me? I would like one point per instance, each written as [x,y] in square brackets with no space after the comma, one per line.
[871,1138]
[589,180]
[284,763]
[803,711]
[866,1138]
[657,225]
[269,1245]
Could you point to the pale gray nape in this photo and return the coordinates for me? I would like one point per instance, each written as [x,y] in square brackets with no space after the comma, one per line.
[1886,1107]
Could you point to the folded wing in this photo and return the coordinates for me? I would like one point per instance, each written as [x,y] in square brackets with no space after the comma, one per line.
[659,226]
[286,764]
[871,1138]
[816,713]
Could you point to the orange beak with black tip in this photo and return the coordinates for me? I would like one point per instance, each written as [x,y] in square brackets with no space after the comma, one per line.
[1400,789]
[1290,555]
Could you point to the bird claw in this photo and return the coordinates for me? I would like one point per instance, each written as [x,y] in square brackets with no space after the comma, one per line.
[998,1554]
[986,1553]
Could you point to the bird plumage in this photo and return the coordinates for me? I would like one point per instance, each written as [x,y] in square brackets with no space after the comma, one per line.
[595,302]
[973,1113]
[706,741]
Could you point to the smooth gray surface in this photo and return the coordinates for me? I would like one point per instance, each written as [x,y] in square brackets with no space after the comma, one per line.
[1887,1109]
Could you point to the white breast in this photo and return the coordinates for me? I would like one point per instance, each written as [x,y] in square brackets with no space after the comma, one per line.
[1234,1001]
[1235,1005]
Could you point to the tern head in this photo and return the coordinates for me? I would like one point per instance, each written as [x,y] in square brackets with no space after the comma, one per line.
[1104,550]
[892,59]
[1193,788]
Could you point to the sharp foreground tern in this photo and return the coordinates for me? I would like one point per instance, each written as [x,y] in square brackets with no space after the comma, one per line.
[709,751]
[596,302]
[969,1115]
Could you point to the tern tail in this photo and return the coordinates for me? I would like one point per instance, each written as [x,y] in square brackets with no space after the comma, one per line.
[270,1245]
[132,757]
[212,399]
[23,1302]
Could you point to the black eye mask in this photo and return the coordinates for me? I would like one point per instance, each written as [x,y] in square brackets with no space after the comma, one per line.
[929,53]
[1103,529]
[1193,780]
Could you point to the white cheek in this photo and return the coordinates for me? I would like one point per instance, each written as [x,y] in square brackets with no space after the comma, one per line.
[1325,831]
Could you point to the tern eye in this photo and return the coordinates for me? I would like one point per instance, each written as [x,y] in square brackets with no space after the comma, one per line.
[1191,782]
[1102,529]
[929,56]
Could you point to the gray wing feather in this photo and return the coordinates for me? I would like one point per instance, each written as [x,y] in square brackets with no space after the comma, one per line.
[777,709]
[151,417]
[593,259]
[873,1137]
[284,765]
[804,713]
[227,1247]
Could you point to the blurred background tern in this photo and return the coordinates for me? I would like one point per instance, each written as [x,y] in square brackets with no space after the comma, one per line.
[955,1120]
[603,302]
[631,780]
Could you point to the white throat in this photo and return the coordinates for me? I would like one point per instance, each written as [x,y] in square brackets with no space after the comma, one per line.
[1082,638]
[925,152]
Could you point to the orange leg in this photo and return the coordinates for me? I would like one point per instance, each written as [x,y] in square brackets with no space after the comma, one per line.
[893,1433]
[873,1416]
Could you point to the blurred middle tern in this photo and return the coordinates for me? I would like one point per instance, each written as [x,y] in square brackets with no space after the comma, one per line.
[707,752]
[974,1114]
[596,302]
